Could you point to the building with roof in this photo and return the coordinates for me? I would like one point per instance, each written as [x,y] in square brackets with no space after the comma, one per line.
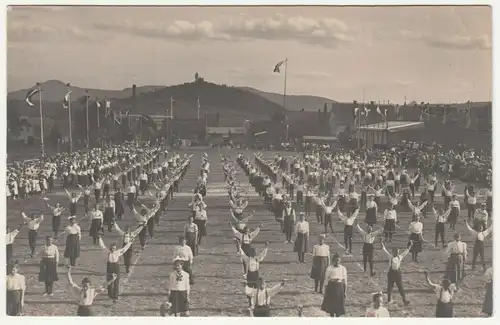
[217,135]
[380,135]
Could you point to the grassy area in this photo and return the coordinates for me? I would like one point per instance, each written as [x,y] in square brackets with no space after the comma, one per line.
[218,274]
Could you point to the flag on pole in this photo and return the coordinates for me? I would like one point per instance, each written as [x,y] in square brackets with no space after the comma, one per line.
[396,110]
[30,94]
[355,112]
[367,111]
[379,111]
[98,105]
[107,107]
[66,99]
[468,120]
[277,67]
[423,110]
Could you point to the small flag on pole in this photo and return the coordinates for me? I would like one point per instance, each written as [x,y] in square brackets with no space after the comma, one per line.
[98,105]
[367,111]
[30,94]
[66,99]
[277,67]
[107,107]
[355,112]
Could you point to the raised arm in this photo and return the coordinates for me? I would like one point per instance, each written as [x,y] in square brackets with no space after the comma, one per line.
[237,234]
[472,231]
[360,230]
[74,287]
[428,279]
[421,206]
[118,230]
[103,247]
[263,254]
[341,215]
[488,231]
[125,248]
[254,233]
[385,249]
[411,206]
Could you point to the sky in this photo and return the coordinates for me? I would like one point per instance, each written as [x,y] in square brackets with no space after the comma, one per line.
[428,54]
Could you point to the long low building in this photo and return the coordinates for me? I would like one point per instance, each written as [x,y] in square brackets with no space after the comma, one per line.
[380,135]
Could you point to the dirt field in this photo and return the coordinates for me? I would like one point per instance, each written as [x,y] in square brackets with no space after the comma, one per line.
[218,273]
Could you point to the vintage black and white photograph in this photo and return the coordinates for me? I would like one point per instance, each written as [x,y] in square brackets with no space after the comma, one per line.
[249,161]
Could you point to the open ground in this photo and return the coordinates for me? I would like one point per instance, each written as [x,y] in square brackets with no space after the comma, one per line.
[218,288]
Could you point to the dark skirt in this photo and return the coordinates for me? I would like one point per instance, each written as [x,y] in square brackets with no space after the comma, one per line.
[288,225]
[84,311]
[252,277]
[390,226]
[72,249]
[318,270]
[96,228]
[246,248]
[488,299]
[454,215]
[48,271]
[191,242]
[202,227]
[9,248]
[371,216]
[186,266]
[179,301]
[301,243]
[262,311]
[417,243]
[455,268]
[341,203]
[14,307]
[113,288]
[444,310]
[334,299]
[109,215]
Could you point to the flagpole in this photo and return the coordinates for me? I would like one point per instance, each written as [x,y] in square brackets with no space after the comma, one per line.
[70,122]
[284,90]
[171,118]
[98,107]
[87,115]
[198,107]
[42,146]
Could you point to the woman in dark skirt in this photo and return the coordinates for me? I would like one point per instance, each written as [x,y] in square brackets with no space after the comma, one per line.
[415,241]
[73,200]
[488,298]
[86,294]
[73,237]
[96,224]
[444,293]
[127,236]
[184,252]
[321,261]
[391,218]
[371,211]
[335,291]
[179,287]
[454,213]
[191,235]
[341,200]
[252,260]
[109,213]
[16,287]
[119,207]
[48,265]
[302,237]
[113,267]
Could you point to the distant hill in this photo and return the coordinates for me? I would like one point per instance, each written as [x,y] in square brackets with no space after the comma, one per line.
[54,91]
[233,105]
[294,102]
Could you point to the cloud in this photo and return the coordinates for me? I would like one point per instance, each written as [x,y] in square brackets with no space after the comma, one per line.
[32,32]
[457,42]
[179,29]
[462,43]
[328,32]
